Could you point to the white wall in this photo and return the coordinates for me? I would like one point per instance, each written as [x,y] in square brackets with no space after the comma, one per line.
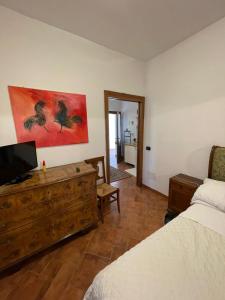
[36,55]
[185,109]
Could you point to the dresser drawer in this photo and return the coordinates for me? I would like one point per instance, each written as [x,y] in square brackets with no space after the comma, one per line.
[178,201]
[38,235]
[31,238]
[22,242]
[73,220]
[28,206]
[77,193]
[87,216]
[182,188]
[11,248]
[64,224]
[23,208]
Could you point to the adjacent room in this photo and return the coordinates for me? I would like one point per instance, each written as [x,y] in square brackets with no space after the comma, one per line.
[123,132]
[112,150]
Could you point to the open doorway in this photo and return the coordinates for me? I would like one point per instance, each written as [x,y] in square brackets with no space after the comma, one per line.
[123,124]
[124,121]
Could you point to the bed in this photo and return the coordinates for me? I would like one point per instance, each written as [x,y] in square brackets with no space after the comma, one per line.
[183,260]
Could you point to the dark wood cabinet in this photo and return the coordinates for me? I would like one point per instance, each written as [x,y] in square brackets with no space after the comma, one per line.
[45,209]
[181,190]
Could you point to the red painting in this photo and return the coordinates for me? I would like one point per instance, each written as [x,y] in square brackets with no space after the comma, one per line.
[50,118]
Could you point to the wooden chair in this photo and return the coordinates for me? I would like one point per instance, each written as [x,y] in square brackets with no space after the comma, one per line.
[105,191]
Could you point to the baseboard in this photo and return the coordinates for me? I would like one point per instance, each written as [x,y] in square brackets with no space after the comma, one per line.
[155,191]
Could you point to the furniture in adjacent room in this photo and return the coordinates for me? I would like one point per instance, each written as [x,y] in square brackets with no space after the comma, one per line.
[181,190]
[130,154]
[127,136]
[45,209]
[105,191]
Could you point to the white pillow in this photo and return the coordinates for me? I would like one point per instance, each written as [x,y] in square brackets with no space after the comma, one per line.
[211,193]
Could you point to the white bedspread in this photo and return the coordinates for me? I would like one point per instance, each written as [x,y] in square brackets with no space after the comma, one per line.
[207,216]
[183,260]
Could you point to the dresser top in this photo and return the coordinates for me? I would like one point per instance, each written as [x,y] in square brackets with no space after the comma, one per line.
[52,175]
[187,180]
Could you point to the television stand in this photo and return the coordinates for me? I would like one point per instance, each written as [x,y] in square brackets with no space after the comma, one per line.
[20,178]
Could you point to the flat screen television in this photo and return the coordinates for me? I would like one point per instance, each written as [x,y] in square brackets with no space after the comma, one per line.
[16,160]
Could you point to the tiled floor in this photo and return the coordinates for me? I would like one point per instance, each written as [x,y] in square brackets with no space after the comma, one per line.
[66,271]
[132,171]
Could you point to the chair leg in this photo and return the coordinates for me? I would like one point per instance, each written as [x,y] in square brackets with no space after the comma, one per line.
[101,209]
[118,200]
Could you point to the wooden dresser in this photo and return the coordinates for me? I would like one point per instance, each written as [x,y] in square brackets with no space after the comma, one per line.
[45,209]
[181,191]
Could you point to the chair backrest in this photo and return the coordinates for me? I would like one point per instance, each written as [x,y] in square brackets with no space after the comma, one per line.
[217,163]
[98,163]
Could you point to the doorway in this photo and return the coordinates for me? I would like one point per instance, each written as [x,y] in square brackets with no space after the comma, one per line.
[124,133]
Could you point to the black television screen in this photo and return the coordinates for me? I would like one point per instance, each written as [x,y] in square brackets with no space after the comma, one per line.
[16,160]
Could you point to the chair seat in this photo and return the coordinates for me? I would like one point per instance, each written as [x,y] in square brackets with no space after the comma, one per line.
[105,189]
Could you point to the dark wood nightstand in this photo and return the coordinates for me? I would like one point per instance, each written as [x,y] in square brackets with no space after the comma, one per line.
[181,190]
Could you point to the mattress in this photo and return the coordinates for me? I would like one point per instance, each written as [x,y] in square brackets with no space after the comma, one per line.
[183,260]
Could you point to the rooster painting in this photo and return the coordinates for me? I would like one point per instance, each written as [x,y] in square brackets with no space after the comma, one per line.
[37,119]
[64,119]
[50,118]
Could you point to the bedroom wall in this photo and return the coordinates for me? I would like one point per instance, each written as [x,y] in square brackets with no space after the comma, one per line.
[185,109]
[34,54]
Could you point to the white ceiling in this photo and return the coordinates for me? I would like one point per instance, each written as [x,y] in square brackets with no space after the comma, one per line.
[138,28]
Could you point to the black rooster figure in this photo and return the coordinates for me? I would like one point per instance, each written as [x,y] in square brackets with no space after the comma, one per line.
[64,119]
[38,119]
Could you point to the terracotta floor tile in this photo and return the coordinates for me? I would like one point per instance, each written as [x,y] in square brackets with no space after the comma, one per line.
[132,242]
[117,252]
[60,282]
[46,265]
[71,293]
[74,250]
[100,247]
[31,288]
[90,266]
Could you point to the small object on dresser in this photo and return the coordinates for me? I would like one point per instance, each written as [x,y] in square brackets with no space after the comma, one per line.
[78,170]
[44,167]
[181,190]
